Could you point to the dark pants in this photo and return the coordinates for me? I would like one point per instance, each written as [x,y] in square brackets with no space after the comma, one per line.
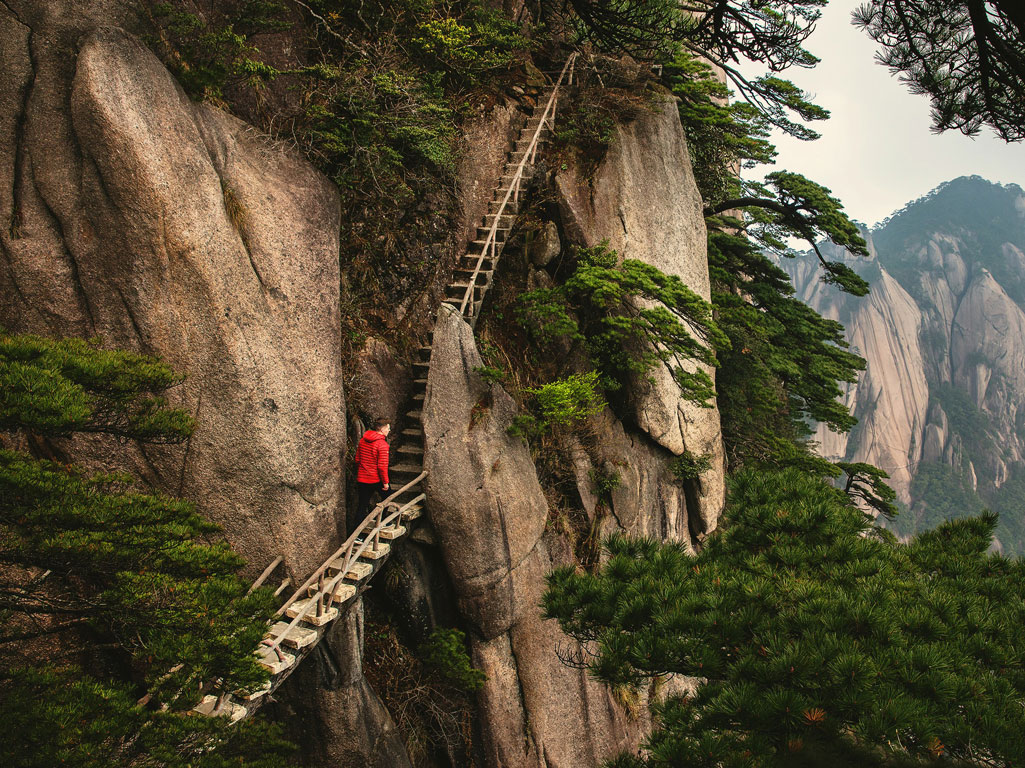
[365,493]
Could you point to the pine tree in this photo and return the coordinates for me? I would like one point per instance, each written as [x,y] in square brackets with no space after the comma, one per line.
[967,56]
[815,638]
[121,579]
[631,317]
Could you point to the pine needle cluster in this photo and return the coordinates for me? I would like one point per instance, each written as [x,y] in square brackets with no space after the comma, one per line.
[816,638]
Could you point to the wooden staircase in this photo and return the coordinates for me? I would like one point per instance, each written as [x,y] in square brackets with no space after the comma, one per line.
[307,615]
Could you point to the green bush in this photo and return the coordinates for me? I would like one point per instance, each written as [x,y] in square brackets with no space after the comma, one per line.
[563,402]
[687,466]
[445,652]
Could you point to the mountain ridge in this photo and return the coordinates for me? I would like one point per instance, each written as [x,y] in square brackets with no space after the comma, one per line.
[941,406]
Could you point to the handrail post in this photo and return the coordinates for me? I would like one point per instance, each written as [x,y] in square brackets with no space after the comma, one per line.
[377,529]
[320,595]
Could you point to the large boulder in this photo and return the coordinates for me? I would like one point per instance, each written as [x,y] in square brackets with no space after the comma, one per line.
[171,228]
[644,201]
[489,514]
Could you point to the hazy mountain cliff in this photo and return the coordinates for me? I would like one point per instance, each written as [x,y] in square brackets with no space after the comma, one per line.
[942,402]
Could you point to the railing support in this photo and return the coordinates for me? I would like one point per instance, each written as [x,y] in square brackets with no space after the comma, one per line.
[528,154]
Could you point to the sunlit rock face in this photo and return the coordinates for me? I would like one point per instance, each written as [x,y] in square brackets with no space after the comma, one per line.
[942,402]
[169,227]
[643,200]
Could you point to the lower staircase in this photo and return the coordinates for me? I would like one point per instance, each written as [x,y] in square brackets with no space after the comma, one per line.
[307,615]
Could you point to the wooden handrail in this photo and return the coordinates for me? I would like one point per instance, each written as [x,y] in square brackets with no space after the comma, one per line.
[266,572]
[528,154]
[330,587]
[347,545]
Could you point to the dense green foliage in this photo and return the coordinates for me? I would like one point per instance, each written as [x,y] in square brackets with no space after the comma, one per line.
[632,317]
[821,641]
[967,56]
[116,577]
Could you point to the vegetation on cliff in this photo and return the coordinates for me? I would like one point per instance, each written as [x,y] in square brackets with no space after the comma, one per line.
[818,638]
[111,594]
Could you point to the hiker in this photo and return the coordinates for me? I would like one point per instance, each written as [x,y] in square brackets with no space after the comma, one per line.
[371,468]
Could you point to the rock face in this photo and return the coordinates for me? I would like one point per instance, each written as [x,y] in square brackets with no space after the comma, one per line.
[490,516]
[891,397]
[232,277]
[943,332]
[171,228]
[643,200]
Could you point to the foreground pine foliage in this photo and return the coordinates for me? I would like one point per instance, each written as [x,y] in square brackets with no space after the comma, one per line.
[109,593]
[819,639]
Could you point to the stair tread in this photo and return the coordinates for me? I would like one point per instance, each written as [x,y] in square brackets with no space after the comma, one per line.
[297,637]
[414,468]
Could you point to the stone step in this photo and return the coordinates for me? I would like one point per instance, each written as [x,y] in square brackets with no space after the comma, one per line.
[504,221]
[263,690]
[311,617]
[298,637]
[463,275]
[419,396]
[357,570]
[458,290]
[412,513]
[415,414]
[228,708]
[383,548]
[500,233]
[470,261]
[415,452]
[276,661]
[393,532]
[413,433]
[511,206]
[522,144]
[405,468]
[423,353]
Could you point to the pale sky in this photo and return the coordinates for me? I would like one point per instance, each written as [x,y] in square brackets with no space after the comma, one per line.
[877,151]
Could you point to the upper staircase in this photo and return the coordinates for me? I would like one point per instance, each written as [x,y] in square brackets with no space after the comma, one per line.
[309,612]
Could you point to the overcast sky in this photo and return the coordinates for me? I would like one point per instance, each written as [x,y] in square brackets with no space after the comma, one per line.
[877,152]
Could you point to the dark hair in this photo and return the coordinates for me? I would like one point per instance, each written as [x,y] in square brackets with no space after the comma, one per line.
[382,422]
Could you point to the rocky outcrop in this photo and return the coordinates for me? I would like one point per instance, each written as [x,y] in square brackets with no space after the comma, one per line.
[172,228]
[331,711]
[490,517]
[643,200]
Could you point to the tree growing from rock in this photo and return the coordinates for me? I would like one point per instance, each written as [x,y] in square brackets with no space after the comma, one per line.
[967,56]
[110,593]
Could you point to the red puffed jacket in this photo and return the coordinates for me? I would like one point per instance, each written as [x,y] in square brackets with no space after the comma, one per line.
[372,458]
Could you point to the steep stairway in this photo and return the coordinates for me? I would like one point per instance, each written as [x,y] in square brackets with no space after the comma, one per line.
[307,615]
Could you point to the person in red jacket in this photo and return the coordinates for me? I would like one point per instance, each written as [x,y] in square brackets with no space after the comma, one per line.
[371,468]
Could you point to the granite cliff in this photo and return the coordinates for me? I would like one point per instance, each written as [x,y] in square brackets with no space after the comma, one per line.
[173,228]
[941,402]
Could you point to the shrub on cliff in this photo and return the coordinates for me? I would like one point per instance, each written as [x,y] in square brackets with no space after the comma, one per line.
[817,638]
[108,591]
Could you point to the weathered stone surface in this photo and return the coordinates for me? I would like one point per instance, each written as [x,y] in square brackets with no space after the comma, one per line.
[489,513]
[381,387]
[171,228]
[331,711]
[541,712]
[644,201]
[547,245]
[486,504]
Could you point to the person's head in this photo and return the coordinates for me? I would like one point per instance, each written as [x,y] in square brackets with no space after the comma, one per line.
[383,426]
